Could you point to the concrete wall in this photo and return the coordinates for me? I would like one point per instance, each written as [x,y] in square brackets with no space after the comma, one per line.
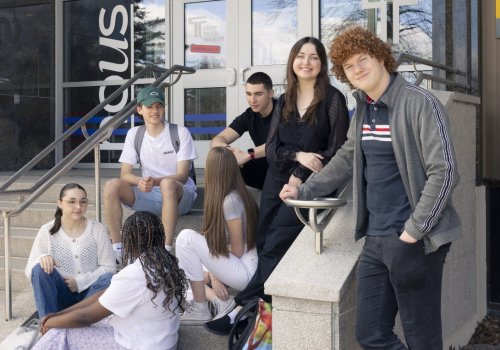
[314,295]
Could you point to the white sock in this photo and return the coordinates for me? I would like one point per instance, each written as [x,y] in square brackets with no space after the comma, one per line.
[117,247]
[232,316]
[168,248]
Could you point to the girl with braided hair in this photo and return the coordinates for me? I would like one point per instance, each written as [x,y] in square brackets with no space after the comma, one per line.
[226,246]
[71,257]
[140,308]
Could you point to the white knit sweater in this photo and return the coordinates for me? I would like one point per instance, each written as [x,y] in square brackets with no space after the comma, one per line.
[84,258]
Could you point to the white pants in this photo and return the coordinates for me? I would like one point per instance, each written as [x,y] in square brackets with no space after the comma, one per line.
[192,251]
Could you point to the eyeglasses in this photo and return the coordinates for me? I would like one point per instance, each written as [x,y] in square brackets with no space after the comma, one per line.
[74,202]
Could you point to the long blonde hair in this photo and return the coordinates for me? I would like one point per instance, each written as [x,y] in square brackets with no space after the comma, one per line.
[222,176]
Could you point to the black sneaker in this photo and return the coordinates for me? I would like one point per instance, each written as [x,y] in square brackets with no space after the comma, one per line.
[220,326]
[223,326]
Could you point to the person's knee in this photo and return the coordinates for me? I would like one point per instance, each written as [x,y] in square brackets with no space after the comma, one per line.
[103,281]
[170,187]
[112,188]
[106,278]
[184,237]
[39,274]
[37,271]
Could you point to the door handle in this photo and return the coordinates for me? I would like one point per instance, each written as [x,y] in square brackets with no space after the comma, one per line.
[243,70]
[231,80]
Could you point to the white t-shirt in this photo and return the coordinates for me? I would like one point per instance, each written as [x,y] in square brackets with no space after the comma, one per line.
[235,209]
[136,321]
[158,157]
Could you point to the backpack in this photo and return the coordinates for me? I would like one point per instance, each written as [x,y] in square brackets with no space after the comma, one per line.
[257,334]
[23,337]
[174,138]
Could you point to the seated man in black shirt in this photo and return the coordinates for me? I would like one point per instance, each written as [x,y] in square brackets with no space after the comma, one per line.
[255,120]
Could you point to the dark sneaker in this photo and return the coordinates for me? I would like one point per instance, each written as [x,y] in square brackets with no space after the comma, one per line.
[220,326]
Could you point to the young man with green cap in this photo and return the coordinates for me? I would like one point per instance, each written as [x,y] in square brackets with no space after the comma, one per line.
[164,187]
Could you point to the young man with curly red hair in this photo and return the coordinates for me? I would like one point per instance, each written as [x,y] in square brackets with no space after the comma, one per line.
[401,159]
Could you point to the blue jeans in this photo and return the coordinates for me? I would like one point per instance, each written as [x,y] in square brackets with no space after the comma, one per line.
[396,276]
[52,294]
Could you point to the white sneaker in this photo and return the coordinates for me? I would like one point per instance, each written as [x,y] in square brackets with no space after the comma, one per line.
[222,307]
[196,313]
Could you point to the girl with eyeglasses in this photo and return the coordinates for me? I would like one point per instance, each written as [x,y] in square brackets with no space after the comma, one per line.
[72,257]
[140,308]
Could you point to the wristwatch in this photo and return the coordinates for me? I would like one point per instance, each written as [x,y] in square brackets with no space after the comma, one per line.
[251,152]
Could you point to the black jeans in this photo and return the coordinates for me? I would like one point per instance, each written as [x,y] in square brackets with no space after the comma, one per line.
[254,172]
[393,275]
[278,228]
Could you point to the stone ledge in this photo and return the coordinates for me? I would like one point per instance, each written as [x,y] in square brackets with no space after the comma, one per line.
[302,274]
[314,295]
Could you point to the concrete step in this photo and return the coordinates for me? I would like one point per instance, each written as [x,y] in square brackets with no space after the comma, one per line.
[22,238]
[19,280]
[196,337]
[21,241]
[84,177]
[38,214]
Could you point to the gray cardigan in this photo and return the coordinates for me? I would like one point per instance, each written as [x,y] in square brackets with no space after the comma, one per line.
[425,158]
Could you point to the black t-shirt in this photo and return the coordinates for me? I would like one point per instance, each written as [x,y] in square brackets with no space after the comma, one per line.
[252,122]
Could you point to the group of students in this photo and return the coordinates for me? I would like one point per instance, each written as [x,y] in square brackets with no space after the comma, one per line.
[396,148]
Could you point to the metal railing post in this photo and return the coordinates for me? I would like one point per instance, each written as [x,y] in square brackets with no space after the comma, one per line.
[7,267]
[97,162]
[328,204]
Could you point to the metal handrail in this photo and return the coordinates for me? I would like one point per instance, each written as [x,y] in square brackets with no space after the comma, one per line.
[415,59]
[318,226]
[49,178]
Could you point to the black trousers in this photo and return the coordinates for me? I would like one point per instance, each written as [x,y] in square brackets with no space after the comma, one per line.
[396,276]
[254,172]
[278,228]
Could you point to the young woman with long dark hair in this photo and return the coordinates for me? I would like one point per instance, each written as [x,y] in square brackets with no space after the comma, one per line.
[309,125]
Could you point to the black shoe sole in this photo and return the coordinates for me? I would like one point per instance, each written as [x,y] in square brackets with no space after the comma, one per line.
[216,332]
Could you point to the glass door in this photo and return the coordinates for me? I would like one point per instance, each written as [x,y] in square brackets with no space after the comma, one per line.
[204,38]
[226,41]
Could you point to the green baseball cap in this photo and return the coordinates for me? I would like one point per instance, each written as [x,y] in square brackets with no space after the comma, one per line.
[150,95]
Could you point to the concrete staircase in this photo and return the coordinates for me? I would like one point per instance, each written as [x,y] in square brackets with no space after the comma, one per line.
[25,227]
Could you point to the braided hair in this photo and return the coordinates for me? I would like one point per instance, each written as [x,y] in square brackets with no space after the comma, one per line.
[144,239]
[59,213]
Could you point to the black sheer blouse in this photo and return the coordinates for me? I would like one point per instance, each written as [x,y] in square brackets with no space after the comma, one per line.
[325,136]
